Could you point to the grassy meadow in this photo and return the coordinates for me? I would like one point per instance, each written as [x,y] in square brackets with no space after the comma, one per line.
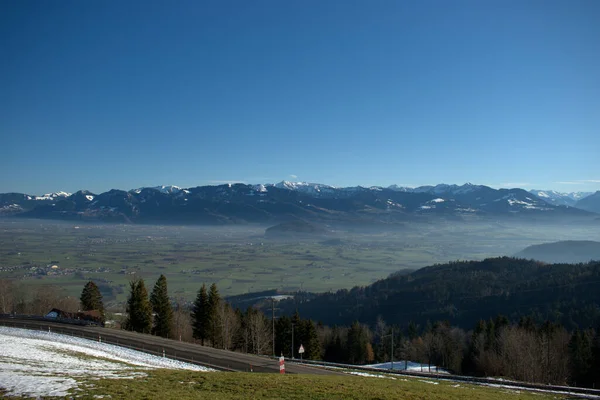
[182,385]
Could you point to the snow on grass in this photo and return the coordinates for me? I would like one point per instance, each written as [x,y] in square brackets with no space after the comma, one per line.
[34,363]
[370,375]
[409,366]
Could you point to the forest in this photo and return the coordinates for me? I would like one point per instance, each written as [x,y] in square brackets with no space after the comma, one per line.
[523,349]
[463,292]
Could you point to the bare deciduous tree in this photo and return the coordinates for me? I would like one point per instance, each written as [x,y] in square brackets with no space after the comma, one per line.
[6,296]
[258,332]
[182,323]
[229,325]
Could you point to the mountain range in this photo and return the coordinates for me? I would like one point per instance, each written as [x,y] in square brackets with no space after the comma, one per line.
[560,199]
[590,203]
[284,201]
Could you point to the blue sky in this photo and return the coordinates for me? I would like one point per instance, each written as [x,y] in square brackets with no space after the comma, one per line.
[100,95]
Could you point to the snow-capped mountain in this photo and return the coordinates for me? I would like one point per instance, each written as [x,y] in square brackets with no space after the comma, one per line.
[52,196]
[397,188]
[268,203]
[445,189]
[162,189]
[560,198]
[315,189]
[327,190]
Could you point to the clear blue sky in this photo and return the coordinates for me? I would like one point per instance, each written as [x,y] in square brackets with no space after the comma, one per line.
[121,94]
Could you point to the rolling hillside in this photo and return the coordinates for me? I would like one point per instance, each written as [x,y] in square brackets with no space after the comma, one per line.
[569,251]
[464,292]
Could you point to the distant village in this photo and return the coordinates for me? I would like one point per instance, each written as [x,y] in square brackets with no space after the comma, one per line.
[53,268]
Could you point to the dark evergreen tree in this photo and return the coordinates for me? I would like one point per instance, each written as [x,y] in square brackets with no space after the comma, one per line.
[594,373]
[200,316]
[580,351]
[310,341]
[501,322]
[138,308]
[91,299]
[335,347]
[296,334]
[283,336]
[214,323]
[413,330]
[476,348]
[490,335]
[358,338]
[161,305]
[527,323]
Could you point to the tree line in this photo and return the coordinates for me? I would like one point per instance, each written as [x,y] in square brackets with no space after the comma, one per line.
[522,349]
[463,292]
[23,299]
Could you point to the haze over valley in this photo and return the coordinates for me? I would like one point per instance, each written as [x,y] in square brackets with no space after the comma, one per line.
[408,190]
[244,258]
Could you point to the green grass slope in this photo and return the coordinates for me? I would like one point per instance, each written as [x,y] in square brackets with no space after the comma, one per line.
[182,385]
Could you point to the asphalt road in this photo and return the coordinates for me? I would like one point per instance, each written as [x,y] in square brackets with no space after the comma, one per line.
[219,359]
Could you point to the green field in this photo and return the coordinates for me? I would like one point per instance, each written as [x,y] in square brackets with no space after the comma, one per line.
[240,259]
[183,385]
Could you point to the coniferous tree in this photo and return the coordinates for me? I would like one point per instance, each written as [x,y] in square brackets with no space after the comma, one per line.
[335,348]
[200,316]
[581,357]
[358,338]
[161,306]
[594,373]
[413,331]
[311,341]
[283,336]
[214,324]
[138,308]
[91,298]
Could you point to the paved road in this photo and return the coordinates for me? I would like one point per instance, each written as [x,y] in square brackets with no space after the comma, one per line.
[216,358]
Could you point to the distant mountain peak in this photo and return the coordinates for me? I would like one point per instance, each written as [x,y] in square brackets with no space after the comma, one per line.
[163,189]
[560,198]
[52,196]
[295,185]
[441,188]
[314,189]
[400,188]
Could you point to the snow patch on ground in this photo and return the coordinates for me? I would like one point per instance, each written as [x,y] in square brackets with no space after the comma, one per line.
[370,375]
[35,363]
[409,366]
